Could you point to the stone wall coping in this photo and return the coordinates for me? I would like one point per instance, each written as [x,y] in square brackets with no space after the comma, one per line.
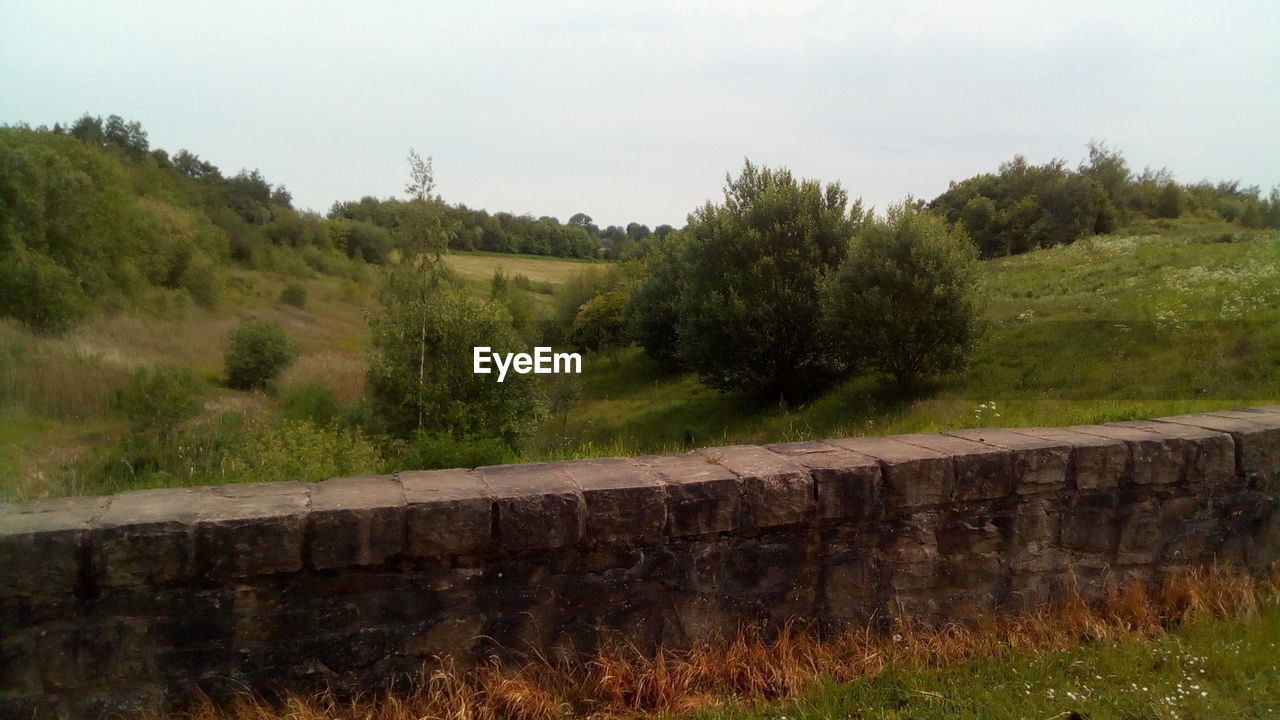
[615,501]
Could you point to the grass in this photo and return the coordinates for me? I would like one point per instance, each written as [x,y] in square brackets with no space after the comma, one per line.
[479,266]
[1202,645]
[1166,318]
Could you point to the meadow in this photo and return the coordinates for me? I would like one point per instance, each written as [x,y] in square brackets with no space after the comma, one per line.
[1168,316]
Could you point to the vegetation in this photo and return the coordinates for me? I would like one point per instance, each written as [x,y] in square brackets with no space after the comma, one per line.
[1199,646]
[749,283]
[257,352]
[776,314]
[905,301]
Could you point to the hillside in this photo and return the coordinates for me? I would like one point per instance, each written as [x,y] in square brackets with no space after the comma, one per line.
[1164,317]
[1167,317]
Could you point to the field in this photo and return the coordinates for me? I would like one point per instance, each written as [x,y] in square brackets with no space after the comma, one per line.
[1163,319]
[1167,317]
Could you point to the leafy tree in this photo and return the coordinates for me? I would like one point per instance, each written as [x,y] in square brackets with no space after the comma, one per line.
[751,279]
[653,309]
[599,324]
[258,350]
[158,400]
[38,292]
[421,374]
[906,300]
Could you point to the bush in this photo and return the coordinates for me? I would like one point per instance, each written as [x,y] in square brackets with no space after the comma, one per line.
[420,369]
[906,302]
[312,402]
[748,316]
[599,324]
[437,450]
[259,351]
[158,399]
[38,292]
[299,450]
[295,294]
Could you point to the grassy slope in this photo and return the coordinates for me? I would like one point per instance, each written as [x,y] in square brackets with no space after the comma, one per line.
[1209,669]
[1157,320]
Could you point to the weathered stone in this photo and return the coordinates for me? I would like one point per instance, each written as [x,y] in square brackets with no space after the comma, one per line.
[447,512]
[1256,435]
[146,537]
[538,506]
[356,521]
[1156,458]
[1140,533]
[913,476]
[252,529]
[1038,464]
[626,502]
[911,553]
[1088,527]
[848,484]
[1096,463]
[1208,456]
[702,497]
[776,490]
[56,532]
[982,471]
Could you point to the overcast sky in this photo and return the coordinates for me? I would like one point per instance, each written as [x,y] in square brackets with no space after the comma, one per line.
[637,110]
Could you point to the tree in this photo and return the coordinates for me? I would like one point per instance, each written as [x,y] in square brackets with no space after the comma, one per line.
[906,301]
[599,324]
[421,368]
[750,283]
[259,350]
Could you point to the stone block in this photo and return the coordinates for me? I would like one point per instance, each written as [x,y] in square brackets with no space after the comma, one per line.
[146,537]
[626,502]
[1038,464]
[1208,456]
[702,497]
[538,506]
[913,476]
[251,529]
[1096,463]
[776,490]
[447,512]
[982,471]
[1155,458]
[1088,527]
[1256,436]
[848,484]
[41,545]
[356,521]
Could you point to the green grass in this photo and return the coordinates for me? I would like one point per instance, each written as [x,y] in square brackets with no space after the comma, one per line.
[479,266]
[1162,319]
[1208,669]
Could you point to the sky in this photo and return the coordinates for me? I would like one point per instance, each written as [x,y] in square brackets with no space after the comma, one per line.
[636,111]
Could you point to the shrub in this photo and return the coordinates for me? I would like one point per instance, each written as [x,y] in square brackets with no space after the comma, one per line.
[300,450]
[158,399]
[906,302]
[295,294]
[259,351]
[38,292]
[599,324]
[748,317]
[420,369]
[312,402]
[437,450]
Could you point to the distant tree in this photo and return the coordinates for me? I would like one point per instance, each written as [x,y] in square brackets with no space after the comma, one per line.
[906,300]
[1171,202]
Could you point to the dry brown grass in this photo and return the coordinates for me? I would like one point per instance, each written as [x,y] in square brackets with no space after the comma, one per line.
[621,682]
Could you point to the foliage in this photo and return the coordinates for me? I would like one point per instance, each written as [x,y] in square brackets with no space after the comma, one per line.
[38,292]
[905,301]
[158,399]
[295,294]
[653,308]
[420,368]
[428,450]
[300,450]
[751,273]
[258,351]
[311,402]
[599,324]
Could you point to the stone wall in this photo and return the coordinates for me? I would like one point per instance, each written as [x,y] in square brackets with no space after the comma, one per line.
[137,599]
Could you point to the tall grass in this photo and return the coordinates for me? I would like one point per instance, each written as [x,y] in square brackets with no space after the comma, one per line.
[621,682]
